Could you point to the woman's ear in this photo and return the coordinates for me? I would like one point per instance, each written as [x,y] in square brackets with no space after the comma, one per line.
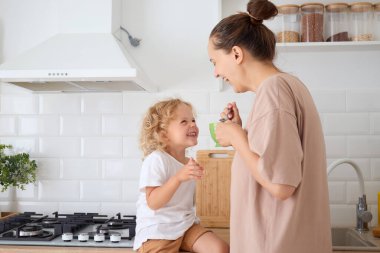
[238,54]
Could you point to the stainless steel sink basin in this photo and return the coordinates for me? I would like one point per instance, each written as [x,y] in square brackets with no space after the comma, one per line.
[350,239]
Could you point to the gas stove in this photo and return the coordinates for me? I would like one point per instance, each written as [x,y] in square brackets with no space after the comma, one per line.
[77,229]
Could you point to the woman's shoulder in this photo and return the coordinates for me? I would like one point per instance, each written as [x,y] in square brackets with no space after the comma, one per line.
[280,84]
[278,80]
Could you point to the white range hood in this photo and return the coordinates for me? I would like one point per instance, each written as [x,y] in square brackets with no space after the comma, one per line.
[82,62]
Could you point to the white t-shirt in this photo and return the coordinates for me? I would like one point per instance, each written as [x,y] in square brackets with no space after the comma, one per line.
[172,220]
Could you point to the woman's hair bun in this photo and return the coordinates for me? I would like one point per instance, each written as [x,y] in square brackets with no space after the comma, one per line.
[261,10]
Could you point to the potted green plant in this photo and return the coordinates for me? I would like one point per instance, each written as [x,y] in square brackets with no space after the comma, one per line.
[16,170]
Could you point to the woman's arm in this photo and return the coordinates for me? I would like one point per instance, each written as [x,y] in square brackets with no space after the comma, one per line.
[239,141]
[278,191]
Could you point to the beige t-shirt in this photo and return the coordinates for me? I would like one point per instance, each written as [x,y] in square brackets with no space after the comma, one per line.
[284,129]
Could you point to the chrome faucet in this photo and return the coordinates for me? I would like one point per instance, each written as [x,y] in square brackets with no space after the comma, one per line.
[363,216]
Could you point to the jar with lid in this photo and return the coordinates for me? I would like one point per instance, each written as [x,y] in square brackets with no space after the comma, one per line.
[361,21]
[312,22]
[336,25]
[288,23]
[376,23]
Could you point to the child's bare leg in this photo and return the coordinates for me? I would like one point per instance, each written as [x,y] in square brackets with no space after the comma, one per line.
[210,242]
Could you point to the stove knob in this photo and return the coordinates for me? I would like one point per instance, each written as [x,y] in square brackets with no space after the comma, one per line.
[99,237]
[116,237]
[83,237]
[67,237]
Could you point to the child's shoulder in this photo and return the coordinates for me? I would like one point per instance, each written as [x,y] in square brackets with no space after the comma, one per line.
[155,156]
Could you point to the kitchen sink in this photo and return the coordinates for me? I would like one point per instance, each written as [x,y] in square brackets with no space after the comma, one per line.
[350,239]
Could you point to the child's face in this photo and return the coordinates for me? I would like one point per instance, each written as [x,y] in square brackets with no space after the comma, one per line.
[182,131]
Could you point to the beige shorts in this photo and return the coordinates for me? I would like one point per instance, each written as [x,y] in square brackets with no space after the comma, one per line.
[185,242]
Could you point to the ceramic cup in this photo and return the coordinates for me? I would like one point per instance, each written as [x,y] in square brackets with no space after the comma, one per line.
[212,128]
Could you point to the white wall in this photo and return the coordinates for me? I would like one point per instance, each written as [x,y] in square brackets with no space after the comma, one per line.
[86,144]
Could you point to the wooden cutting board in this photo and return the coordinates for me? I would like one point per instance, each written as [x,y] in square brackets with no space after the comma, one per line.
[6,215]
[213,191]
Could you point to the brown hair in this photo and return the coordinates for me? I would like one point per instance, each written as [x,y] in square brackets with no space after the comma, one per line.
[248,31]
[156,122]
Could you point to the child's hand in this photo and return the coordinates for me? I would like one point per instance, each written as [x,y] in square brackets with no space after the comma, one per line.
[192,170]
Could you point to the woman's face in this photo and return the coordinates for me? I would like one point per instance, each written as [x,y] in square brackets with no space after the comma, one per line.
[225,66]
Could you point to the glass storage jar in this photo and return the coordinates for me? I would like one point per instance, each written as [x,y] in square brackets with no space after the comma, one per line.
[288,23]
[361,21]
[376,24]
[336,25]
[312,22]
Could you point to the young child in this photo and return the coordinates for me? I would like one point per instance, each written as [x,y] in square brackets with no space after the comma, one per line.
[166,220]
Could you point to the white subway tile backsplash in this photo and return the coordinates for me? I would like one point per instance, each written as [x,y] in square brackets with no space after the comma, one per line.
[112,208]
[8,194]
[375,167]
[80,125]
[22,144]
[138,103]
[346,123]
[124,125]
[131,147]
[329,100]
[58,190]
[130,191]
[99,147]
[375,123]
[343,215]
[337,192]
[60,103]
[102,103]
[59,147]
[335,146]
[38,125]
[48,168]
[81,169]
[29,192]
[219,100]
[18,104]
[100,190]
[363,146]
[80,207]
[122,169]
[363,100]
[38,207]
[8,126]
[199,101]
[89,160]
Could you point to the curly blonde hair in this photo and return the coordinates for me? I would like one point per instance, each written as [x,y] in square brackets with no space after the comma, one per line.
[156,122]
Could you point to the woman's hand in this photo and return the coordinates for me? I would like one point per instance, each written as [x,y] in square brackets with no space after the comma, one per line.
[229,133]
[191,170]
[231,112]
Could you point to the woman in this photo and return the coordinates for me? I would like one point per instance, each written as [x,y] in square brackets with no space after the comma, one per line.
[279,195]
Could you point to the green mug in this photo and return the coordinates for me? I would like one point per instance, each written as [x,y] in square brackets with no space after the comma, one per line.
[212,128]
